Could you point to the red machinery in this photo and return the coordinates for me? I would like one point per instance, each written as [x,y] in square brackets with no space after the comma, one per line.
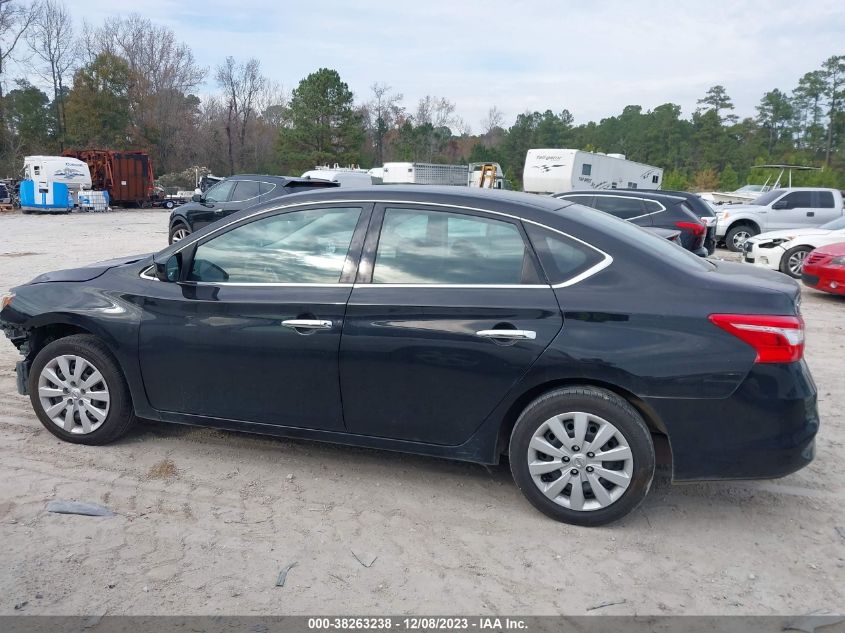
[126,175]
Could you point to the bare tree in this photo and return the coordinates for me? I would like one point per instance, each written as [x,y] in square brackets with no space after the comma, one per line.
[493,120]
[52,40]
[383,111]
[164,72]
[15,19]
[241,84]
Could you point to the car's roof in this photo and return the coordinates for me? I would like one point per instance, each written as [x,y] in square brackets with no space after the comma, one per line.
[649,194]
[270,178]
[492,199]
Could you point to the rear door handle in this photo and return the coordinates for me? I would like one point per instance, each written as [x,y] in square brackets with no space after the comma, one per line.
[511,335]
[307,324]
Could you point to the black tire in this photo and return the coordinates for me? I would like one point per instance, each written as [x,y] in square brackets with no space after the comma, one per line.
[169,204]
[176,226]
[784,262]
[120,414]
[736,230]
[604,404]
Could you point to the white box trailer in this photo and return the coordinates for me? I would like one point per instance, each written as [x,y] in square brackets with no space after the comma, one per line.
[558,170]
[425,174]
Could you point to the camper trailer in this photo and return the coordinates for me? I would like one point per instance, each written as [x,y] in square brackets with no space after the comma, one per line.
[559,170]
[53,179]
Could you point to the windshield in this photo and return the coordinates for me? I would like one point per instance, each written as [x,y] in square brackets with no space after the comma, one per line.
[833,225]
[768,197]
[752,188]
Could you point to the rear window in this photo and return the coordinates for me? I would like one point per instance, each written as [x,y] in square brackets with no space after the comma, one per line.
[825,200]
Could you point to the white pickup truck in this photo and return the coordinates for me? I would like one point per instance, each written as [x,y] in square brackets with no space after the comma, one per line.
[789,208]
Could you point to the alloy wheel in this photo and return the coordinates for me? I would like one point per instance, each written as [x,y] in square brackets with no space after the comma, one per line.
[180,234]
[739,238]
[73,394]
[580,461]
[796,262]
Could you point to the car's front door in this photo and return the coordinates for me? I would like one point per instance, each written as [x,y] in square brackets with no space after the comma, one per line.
[251,333]
[212,205]
[793,210]
[449,311]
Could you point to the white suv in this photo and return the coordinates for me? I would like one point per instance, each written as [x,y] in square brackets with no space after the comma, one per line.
[792,208]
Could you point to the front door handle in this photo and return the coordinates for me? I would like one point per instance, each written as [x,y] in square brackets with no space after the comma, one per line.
[307,324]
[511,335]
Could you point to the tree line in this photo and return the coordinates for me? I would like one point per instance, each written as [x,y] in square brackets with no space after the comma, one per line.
[129,83]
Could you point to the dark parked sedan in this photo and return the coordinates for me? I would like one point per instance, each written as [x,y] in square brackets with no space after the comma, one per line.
[231,195]
[465,324]
[649,209]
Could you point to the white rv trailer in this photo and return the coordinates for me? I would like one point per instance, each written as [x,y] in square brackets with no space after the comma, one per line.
[425,174]
[344,176]
[557,170]
[69,171]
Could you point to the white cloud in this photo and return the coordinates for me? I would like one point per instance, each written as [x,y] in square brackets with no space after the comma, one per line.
[591,58]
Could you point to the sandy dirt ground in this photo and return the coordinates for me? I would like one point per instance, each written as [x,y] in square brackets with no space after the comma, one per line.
[207,519]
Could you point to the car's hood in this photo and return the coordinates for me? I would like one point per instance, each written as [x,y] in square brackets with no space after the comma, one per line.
[735,208]
[788,233]
[89,272]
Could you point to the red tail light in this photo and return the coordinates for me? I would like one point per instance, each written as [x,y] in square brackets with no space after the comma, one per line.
[777,339]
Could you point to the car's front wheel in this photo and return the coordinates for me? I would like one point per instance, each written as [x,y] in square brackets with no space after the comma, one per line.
[178,232]
[78,391]
[793,261]
[582,455]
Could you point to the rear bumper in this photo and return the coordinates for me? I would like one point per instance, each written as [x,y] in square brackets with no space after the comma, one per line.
[764,430]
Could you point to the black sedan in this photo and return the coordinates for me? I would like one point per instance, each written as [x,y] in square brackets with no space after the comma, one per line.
[231,195]
[466,324]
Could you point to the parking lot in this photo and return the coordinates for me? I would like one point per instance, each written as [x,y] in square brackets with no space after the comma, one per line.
[205,519]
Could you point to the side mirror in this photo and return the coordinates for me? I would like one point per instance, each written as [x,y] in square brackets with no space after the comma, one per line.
[780,204]
[169,270]
[197,197]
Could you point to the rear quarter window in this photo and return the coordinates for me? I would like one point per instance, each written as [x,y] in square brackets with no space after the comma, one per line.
[563,258]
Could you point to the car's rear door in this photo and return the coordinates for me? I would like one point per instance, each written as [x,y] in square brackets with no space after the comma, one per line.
[251,332]
[449,310]
[246,193]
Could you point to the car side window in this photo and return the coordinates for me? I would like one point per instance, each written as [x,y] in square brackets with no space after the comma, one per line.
[798,200]
[245,190]
[421,246]
[652,206]
[624,208]
[825,200]
[562,258]
[220,192]
[305,246]
[266,187]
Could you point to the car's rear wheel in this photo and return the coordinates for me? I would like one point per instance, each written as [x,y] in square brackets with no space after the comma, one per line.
[793,261]
[178,232]
[737,235]
[78,391]
[582,455]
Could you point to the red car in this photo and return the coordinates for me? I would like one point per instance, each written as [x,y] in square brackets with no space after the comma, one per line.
[824,269]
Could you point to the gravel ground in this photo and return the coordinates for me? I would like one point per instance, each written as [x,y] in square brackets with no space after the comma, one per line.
[207,519]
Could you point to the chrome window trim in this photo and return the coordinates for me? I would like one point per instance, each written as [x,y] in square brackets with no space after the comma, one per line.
[144,274]
[258,182]
[606,261]
[610,195]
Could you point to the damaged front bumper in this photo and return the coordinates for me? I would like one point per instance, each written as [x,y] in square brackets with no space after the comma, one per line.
[20,339]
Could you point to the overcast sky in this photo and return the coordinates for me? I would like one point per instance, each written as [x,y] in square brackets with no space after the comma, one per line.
[592,58]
